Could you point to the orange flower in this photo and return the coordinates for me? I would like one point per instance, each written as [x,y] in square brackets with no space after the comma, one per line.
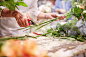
[82,7]
[25,48]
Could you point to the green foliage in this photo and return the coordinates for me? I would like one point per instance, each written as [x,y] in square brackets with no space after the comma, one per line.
[50,30]
[77,10]
[12,4]
[68,16]
[61,30]
[21,4]
[84,15]
[0,46]
[49,35]
[75,28]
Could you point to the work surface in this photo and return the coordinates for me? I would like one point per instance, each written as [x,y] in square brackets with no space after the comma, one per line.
[59,47]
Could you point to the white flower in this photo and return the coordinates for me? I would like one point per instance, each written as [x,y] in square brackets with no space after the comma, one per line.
[75,3]
[84,11]
[41,7]
[49,4]
[78,6]
[48,9]
[45,8]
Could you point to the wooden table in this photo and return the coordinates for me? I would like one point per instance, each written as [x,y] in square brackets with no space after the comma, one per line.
[59,47]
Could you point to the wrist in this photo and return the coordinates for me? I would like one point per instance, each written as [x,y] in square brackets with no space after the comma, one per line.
[15,14]
[45,16]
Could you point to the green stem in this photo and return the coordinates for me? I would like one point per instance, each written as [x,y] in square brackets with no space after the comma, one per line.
[21,38]
[39,24]
[47,22]
[42,34]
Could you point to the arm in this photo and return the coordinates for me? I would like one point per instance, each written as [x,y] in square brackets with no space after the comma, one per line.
[8,13]
[47,16]
[58,7]
[50,16]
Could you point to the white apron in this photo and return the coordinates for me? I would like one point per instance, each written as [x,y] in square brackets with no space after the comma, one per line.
[9,25]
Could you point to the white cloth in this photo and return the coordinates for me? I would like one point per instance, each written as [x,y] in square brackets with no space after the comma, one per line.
[9,25]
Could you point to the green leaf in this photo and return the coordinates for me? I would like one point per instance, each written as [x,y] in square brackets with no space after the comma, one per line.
[54,32]
[72,39]
[82,40]
[50,30]
[1,2]
[58,34]
[68,16]
[73,21]
[63,38]
[0,46]
[16,7]
[77,10]
[81,1]
[0,9]
[75,28]
[49,35]
[22,4]
[10,5]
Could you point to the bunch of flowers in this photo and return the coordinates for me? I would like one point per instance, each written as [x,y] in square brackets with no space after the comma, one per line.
[24,48]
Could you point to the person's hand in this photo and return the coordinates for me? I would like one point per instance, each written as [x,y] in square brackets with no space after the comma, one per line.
[21,20]
[63,11]
[54,15]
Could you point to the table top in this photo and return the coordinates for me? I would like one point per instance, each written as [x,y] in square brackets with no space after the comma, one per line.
[57,47]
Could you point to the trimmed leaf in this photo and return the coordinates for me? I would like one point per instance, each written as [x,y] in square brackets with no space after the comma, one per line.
[49,35]
[22,4]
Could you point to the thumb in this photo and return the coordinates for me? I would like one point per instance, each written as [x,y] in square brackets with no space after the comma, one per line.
[50,17]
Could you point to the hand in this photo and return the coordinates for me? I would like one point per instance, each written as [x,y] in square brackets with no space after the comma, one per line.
[21,20]
[63,11]
[54,15]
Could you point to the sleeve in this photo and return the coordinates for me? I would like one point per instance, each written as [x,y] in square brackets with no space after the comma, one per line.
[56,5]
[68,6]
[33,11]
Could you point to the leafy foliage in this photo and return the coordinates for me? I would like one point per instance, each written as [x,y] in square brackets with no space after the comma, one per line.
[78,10]
[78,7]
[12,4]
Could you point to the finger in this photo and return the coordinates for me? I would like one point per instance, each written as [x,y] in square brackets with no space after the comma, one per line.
[23,23]
[57,20]
[20,23]
[51,17]
[65,16]
[26,23]
[54,15]
[61,18]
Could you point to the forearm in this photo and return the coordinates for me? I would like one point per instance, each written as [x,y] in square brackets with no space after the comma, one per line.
[8,13]
[58,10]
[41,16]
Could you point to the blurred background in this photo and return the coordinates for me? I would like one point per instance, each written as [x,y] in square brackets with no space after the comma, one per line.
[59,7]
[46,5]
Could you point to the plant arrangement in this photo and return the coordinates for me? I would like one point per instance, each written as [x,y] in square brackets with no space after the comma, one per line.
[78,10]
[24,48]
[76,28]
